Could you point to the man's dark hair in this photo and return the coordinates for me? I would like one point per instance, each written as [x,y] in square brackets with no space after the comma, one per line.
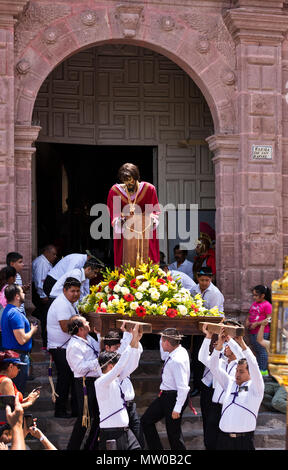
[92,263]
[127,170]
[5,274]
[205,271]
[112,338]
[243,361]
[11,291]
[230,321]
[74,324]
[47,248]
[171,332]
[107,357]
[12,257]
[71,282]
[177,247]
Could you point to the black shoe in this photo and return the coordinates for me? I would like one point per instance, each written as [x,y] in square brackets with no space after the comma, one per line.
[194,392]
[62,414]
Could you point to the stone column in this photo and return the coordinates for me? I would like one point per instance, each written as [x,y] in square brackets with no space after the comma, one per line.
[258,35]
[24,149]
[226,159]
[7,173]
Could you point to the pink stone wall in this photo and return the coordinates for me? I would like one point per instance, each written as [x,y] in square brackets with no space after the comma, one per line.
[234,51]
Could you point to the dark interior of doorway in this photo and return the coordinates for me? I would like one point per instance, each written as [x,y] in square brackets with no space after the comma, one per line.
[91,171]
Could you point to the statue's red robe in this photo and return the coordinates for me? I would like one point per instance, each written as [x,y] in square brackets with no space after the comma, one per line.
[146,196]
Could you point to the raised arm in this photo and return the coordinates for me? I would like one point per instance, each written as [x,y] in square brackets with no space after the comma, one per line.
[218,372]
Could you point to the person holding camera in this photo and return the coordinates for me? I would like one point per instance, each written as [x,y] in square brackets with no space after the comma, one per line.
[10,365]
[17,332]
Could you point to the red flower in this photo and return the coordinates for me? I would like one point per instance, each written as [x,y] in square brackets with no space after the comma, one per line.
[112,284]
[170,278]
[99,289]
[140,311]
[128,297]
[161,281]
[133,284]
[111,298]
[171,312]
[101,310]
[100,302]
[196,309]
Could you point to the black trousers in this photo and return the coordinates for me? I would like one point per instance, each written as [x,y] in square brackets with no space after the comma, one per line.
[212,428]
[197,368]
[79,431]
[206,394]
[48,284]
[135,423]
[41,312]
[245,442]
[65,382]
[124,437]
[160,408]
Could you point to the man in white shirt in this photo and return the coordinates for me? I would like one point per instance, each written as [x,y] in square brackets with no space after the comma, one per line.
[82,356]
[66,264]
[59,313]
[229,357]
[40,268]
[113,342]
[181,263]
[114,418]
[241,401]
[173,396]
[212,298]
[89,271]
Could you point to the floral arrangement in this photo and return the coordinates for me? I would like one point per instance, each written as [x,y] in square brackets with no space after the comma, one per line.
[152,292]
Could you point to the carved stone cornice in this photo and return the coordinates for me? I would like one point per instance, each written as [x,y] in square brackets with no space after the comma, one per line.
[24,137]
[224,146]
[11,7]
[250,25]
[271,4]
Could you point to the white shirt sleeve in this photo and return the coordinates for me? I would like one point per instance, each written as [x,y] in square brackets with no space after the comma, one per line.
[235,348]
[76,360]
[203,354]
[257,380]
[182,387]
[108,378]
[126,339]
[218,373]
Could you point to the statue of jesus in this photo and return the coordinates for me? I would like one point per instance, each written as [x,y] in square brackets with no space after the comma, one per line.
[134,211]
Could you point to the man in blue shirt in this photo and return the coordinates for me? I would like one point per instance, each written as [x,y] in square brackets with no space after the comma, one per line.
[16,331]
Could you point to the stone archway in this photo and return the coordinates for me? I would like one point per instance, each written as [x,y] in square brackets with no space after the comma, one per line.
[199,43]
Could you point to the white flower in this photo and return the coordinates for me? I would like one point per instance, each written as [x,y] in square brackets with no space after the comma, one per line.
[103,305]
[134,305]
[146,304]
[145,285]
[107,289]
[164,288]
[138,295]
[161,272]
[154,306]
[117,288]
[152,290]
[99,295]
[155,295]
[125,290]
[164,308]
[115,301]
[182,309]
[121,281]
[140,277]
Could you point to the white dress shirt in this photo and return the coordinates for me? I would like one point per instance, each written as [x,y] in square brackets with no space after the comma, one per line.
[126,384]
[66,264]
[186,267]
[212,296]
[82,356]
[240,408]
[60,309]
[176,374]
[185,280]
[77,273]
[40,268]
[108,393]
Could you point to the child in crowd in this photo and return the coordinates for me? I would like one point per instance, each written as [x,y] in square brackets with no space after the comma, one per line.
[7,276]
[260,309]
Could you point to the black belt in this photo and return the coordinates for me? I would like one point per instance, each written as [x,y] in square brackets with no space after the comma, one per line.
[114,429]
[167,391]
[129,402]
[238,434]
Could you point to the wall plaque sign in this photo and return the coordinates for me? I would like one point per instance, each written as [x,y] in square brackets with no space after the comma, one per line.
[262,152]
